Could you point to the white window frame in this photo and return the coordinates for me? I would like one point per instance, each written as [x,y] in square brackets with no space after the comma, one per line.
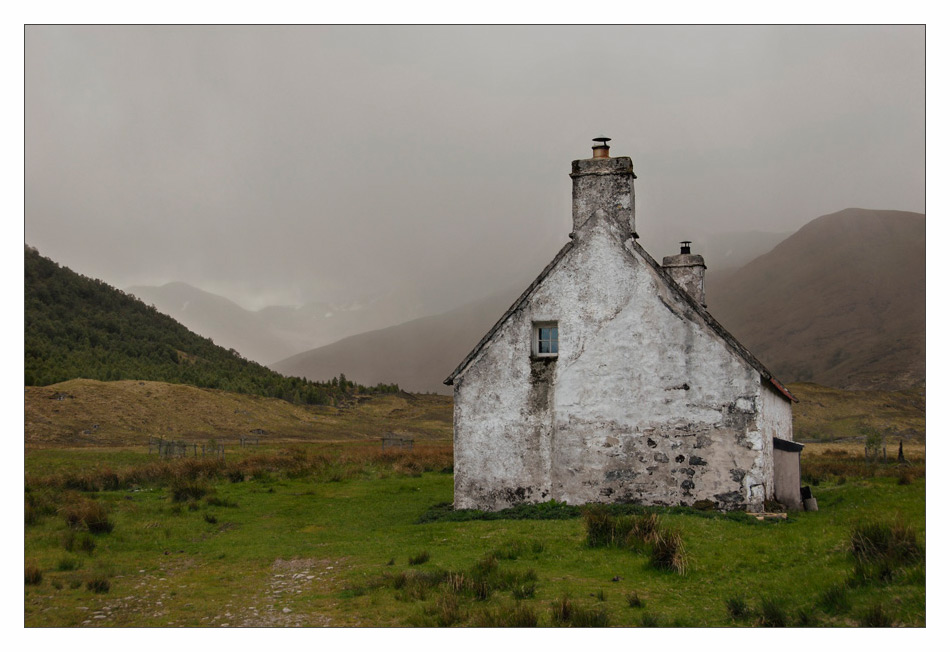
[536,338]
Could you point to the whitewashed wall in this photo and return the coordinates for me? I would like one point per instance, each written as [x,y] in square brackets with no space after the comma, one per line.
[644,403]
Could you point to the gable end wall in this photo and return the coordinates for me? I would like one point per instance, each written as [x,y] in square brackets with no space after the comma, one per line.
[645,403]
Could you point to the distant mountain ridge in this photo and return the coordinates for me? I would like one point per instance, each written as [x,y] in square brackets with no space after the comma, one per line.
[271,333]
[840,302]
[421,352]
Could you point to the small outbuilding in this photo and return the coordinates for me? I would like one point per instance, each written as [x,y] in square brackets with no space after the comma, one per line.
[608,380]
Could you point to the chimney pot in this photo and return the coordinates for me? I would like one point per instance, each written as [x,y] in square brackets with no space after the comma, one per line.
[602,149]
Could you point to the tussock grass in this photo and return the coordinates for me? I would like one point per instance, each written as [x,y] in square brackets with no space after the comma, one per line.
[882,550]
[649,620]
[634,600]
[521,615]
[737,608]
[32,573]
[875,616]
[98,584]
[835,600]
[82,541]
[91,515]
[772,613]
[419,558]
[640,533]
[68,563]
[562,610]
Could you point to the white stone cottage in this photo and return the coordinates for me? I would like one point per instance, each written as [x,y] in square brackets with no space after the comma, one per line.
[608,380]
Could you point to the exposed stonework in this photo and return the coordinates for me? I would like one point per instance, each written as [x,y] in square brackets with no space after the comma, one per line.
[648,400]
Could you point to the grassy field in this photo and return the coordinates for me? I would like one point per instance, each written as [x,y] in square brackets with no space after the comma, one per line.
[330,534]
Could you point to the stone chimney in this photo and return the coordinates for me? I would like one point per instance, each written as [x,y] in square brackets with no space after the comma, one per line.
[604,186]
[689,270]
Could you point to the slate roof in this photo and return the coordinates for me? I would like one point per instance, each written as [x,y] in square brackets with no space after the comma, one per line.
[725,335]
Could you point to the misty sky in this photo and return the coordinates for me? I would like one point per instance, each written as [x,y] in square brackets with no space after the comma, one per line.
[294,164]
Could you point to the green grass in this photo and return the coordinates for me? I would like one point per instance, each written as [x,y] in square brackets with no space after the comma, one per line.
[166,565]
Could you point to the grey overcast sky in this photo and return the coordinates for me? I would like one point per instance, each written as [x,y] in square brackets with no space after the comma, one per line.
[293,164]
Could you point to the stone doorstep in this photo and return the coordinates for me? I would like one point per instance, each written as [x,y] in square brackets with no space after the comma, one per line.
[764,515]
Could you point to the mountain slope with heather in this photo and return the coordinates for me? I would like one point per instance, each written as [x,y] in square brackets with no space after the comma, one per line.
[841,302]
[78,327]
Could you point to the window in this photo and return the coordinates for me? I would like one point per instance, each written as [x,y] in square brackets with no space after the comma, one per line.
[545,340]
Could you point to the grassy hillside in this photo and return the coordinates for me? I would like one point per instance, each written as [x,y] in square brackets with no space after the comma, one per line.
[827,414]
[77,327]
[125,413]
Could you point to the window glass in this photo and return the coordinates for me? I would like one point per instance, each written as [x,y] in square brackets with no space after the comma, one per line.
[547,339]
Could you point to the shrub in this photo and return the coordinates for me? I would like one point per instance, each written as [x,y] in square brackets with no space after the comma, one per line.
[875,616]
[98,584]
[634,600]
[835,600]
[737,607]
[772,613]
[420,558]
[32,573]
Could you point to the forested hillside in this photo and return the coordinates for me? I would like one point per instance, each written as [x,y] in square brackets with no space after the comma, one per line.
[78,327]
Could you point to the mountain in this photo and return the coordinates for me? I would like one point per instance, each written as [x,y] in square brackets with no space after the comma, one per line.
[841,302]
[78,327]
[418,355]
[274,332]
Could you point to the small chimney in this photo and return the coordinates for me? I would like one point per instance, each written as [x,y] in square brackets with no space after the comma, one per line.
[689,270]
[603,187]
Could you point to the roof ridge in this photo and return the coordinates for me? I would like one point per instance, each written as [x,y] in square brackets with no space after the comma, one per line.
[517,304]
[718,328]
